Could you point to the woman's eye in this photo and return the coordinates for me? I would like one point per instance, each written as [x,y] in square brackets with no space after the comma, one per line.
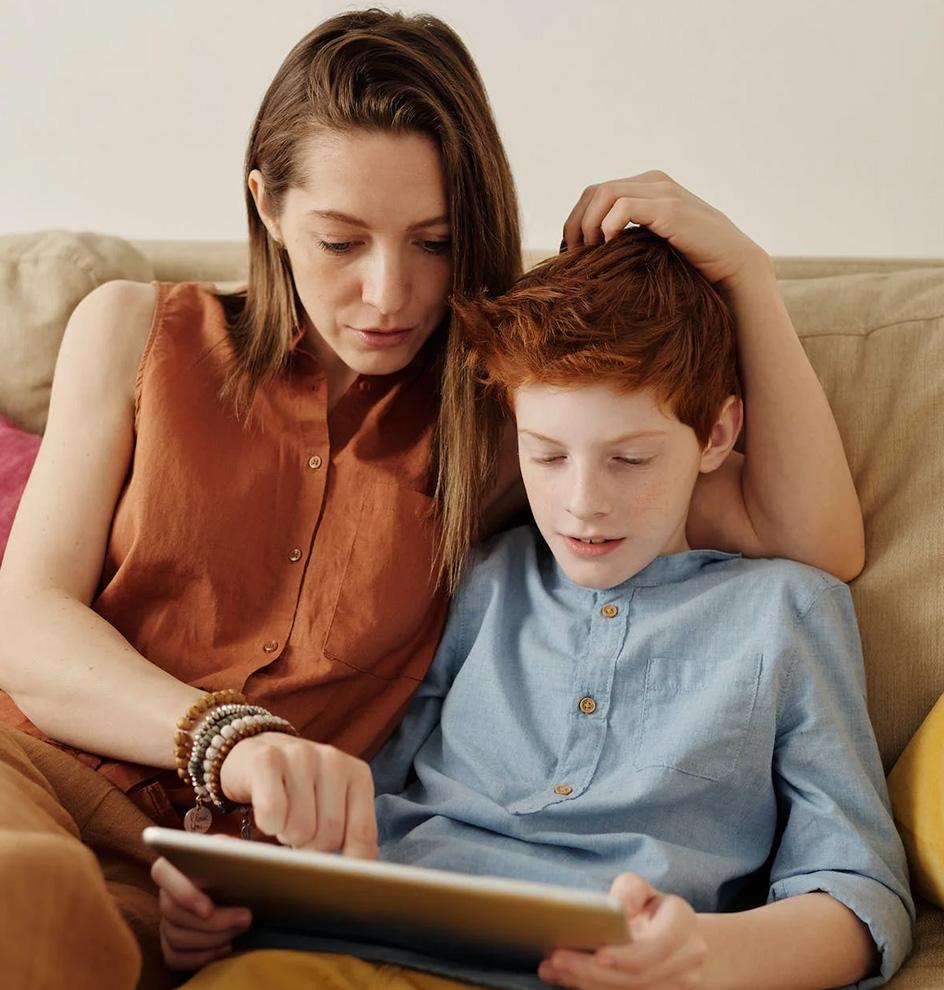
[336,247]
[437,247]
[549,459]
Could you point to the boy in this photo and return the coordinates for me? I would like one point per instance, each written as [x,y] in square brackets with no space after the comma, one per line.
[606,703]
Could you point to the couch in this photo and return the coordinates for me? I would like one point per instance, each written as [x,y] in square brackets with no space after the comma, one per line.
[874,332]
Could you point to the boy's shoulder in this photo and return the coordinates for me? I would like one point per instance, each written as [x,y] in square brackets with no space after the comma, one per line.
[797,586]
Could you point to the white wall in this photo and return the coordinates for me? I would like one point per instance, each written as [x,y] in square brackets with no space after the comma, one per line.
[818,125]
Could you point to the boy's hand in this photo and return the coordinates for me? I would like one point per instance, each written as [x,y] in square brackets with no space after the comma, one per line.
[194,931]
[306,794]
[708,239]
[667,951]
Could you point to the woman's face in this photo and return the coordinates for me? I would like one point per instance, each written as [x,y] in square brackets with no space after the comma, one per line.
[370,245]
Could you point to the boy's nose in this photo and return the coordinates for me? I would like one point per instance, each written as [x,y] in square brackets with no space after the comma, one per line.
[587,500]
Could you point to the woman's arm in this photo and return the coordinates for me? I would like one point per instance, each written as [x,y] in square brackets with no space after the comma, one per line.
[808,942]
[70,671]
[791,494]
[74,675]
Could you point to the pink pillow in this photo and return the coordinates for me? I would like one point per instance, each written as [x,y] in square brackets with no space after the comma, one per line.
[17,453]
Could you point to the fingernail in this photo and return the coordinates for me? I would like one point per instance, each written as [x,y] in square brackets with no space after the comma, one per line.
[563,247]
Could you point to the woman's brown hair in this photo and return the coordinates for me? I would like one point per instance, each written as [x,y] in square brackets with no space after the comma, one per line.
[376,70]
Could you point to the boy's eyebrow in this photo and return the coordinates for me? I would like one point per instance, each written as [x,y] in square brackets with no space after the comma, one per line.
[634,435]
[340,217]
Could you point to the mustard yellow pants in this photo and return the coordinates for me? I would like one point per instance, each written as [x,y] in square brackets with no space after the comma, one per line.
[284,969]
[78,909]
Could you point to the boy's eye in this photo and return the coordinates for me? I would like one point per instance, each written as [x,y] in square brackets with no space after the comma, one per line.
[336,247]
[634,461]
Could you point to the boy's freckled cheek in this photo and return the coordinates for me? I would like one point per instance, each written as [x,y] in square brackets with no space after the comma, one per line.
[648,496]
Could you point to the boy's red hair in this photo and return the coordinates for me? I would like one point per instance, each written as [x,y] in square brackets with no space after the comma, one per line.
[632,313]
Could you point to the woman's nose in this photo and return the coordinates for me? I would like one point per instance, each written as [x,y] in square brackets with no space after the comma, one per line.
[386,284]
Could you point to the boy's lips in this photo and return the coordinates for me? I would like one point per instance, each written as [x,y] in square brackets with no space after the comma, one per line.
[592,546]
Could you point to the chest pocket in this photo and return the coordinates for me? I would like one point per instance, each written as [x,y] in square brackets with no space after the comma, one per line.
[389,613]
[696,714]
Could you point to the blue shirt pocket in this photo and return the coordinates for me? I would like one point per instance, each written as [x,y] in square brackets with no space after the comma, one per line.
[696,714]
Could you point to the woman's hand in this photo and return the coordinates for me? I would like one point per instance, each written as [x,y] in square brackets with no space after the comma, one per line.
[194,931]
[306,794]
[709,240]
[667,951]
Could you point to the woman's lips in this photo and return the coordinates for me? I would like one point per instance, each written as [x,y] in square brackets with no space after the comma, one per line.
[582,549]
[380,339]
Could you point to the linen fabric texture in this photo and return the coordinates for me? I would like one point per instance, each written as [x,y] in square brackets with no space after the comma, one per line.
[79,909]
[290,556]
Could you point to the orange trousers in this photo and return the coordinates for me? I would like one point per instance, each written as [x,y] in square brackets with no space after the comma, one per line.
[78,908]
[283,969]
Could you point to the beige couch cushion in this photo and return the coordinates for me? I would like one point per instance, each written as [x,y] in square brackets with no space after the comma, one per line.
[43,277]
[877,344]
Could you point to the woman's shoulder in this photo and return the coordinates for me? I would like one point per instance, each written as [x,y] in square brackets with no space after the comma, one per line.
[107,333]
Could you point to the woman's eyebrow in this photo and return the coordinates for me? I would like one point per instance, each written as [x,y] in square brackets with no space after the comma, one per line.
[346,218]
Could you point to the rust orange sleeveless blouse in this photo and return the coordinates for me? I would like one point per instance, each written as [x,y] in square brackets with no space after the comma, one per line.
[292,558]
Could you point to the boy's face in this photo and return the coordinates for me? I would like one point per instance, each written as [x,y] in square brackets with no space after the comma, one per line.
[609,478]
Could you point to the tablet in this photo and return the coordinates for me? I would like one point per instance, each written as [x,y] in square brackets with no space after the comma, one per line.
[509,924]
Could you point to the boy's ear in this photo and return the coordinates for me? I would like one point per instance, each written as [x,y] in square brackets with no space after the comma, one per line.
[723,434]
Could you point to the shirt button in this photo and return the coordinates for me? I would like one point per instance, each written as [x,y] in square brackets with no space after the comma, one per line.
[563,789]
[296,554]
[609,611]
[364,386]
[314,462]
[588,706]
[270,645]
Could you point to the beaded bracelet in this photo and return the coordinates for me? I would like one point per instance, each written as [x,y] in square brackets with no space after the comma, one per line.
[182,738]
[221,744]
[198,818]
[205,735]
[210,727]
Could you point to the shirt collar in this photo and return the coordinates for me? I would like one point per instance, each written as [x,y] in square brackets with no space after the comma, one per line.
[670,569]
[675,567]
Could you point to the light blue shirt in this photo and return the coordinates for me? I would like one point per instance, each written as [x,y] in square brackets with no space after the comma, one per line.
[701,720]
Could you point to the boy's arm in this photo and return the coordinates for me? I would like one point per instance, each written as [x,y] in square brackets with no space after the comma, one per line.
[803,943]
[811,941]
[792,495]
[837,834]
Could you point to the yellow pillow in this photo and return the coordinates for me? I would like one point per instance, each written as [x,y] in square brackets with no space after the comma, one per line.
[916,786]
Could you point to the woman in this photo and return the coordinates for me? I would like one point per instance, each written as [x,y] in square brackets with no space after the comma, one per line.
[249,493]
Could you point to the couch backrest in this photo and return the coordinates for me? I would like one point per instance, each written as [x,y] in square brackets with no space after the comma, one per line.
[876,340]
[874,332]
